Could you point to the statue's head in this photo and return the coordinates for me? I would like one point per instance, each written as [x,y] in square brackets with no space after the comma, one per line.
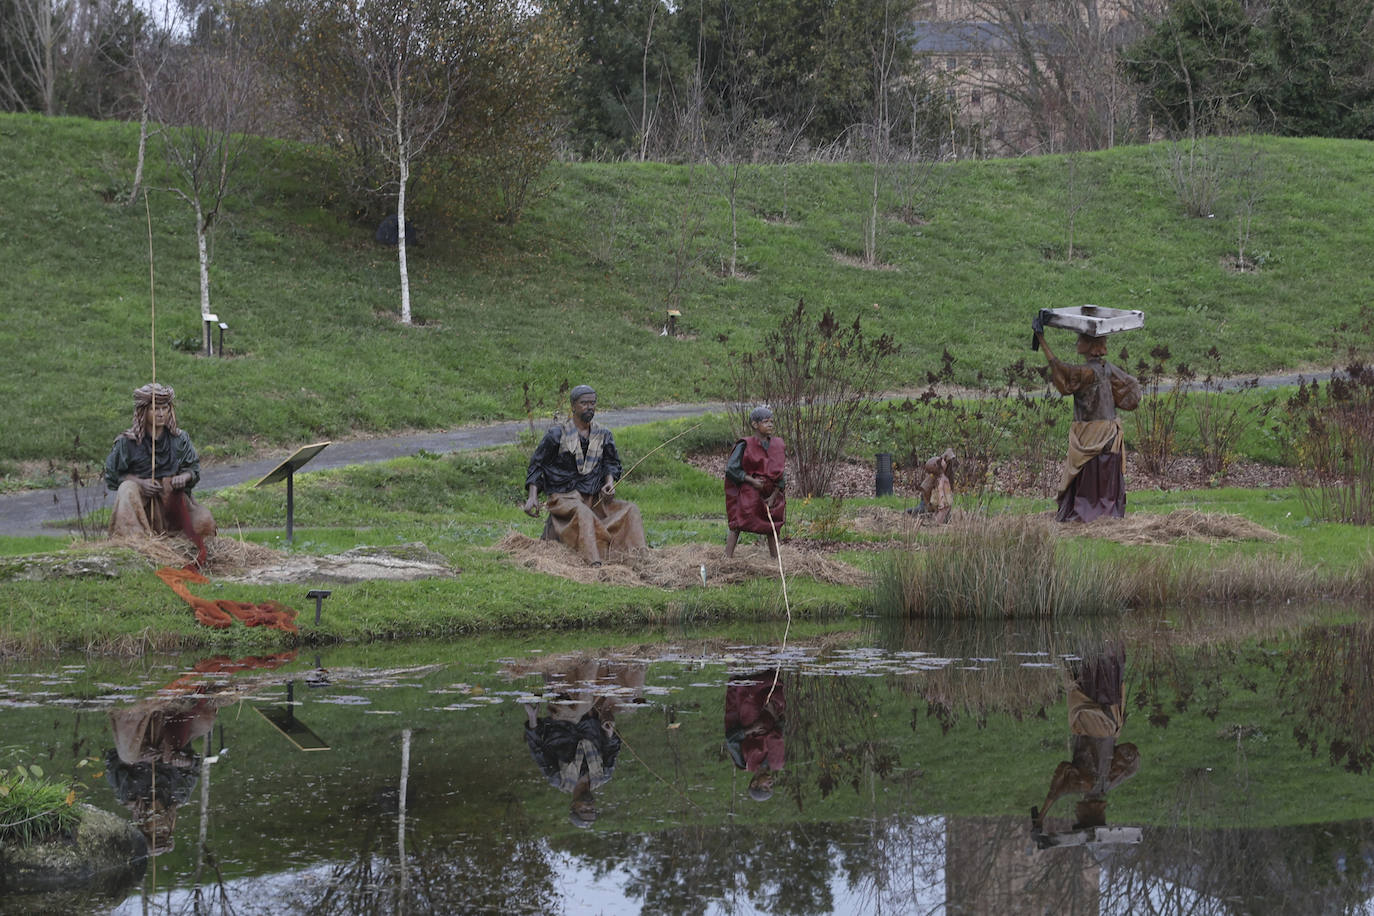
[1093,347]
[154,405]
[583,401]
[761,419]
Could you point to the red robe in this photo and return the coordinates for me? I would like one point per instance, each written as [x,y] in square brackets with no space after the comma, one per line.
[744,509]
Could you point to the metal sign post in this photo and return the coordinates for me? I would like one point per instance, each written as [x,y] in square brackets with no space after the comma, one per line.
[287,469]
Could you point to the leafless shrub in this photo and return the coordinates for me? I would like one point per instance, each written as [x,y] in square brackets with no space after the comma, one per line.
[1221,417]
[819,377]
[1156,419]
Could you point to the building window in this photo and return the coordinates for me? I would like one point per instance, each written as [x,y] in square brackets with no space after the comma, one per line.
[977,63]
[951,63]
[975,97]
[949,95]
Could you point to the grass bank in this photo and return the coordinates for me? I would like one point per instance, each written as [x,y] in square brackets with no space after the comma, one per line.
[462,504]
[315,349]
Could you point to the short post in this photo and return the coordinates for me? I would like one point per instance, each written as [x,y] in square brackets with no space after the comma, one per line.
[290,503]
[673,316]
[222,328]
[319,594]
[882,482]
[210,321]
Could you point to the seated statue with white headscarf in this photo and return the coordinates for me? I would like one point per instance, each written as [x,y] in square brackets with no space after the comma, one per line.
[153,467]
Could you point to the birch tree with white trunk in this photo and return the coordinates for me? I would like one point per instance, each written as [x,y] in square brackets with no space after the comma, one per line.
[390,62]
[207,106]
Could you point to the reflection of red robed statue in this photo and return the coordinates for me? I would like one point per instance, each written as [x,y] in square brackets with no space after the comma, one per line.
[754,707]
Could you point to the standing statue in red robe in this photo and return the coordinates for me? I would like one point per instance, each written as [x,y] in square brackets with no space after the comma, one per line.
[754,482]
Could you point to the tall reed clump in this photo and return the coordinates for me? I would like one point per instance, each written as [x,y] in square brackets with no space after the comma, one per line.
[1003,566]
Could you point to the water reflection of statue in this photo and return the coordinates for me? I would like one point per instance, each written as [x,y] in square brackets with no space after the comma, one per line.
[575,744]
[754,707]
[1099,763]
[152,767]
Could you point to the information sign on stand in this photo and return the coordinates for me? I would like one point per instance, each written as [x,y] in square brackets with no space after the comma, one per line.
[287,469]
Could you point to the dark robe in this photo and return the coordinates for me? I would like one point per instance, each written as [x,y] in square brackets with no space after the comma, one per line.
[1093,482]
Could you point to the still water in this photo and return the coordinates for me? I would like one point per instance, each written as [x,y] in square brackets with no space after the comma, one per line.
[870,770]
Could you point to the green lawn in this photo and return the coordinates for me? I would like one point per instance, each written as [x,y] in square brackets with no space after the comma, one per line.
[577,290]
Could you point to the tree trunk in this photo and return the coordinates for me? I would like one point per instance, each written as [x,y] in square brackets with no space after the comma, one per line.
[401,228]
[203,253]
[734,219]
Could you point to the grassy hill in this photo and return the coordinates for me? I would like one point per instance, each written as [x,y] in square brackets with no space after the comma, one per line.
[577,290]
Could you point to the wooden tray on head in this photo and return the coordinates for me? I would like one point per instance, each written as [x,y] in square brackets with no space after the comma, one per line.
[1093,320]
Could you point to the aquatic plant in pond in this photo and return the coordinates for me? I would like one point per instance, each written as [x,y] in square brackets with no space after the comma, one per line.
[1000,566]
[33,807]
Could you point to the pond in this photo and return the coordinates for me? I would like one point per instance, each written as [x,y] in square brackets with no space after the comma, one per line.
[886,767]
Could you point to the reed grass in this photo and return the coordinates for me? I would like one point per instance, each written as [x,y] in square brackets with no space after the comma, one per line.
[33,807]
[1002,566]
[1016,567]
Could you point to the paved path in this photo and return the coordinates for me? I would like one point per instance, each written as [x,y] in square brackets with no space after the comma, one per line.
[35,512]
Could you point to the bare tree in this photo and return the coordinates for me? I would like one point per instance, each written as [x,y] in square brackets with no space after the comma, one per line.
[1053,65]
[390,72]
[151,53]
[207,107]
[34,44]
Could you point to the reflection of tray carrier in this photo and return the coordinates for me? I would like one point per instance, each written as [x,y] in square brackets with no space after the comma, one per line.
[287,469]
[1093,320]
[1087,836]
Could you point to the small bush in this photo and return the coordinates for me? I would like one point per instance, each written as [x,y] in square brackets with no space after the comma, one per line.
[1156,419]
[33,808]
[1015,423]
[819,378]
[1332,431]
[1221,417]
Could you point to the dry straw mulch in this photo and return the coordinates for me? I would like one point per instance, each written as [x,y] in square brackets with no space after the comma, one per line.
[1179,525]
[223,556]
[679,566]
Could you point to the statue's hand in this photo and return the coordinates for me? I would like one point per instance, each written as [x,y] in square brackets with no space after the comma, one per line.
[608,489]
[1038,323]
[179,481]
[531,507]
[148,487]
